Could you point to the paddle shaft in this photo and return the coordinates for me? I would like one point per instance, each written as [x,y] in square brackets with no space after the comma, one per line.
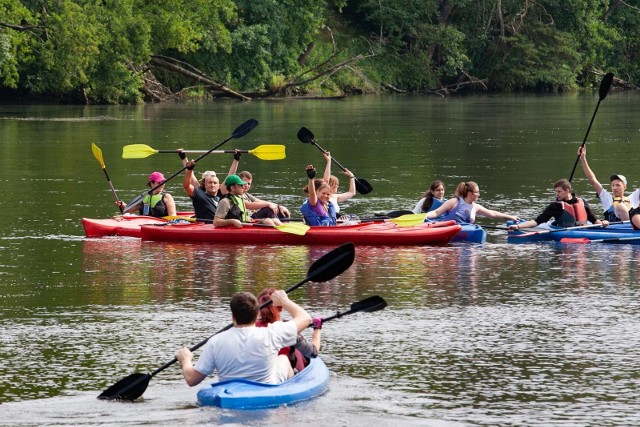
[535,233]
[97,153]
[205,151]
[605,84]
[238,132]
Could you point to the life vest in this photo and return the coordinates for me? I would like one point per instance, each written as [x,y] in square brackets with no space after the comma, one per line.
[462,212]
[573,214]
[610,214]
[313,219]
[153,205]
[238,209]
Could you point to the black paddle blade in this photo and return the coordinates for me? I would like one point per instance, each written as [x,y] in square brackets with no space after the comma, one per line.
[363,186]
[605,85]
[332,264]
[369,305]
[244,128]
[128,388]
[306,136]
[396,214]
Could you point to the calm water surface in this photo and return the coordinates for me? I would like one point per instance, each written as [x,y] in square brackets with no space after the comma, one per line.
[494,334]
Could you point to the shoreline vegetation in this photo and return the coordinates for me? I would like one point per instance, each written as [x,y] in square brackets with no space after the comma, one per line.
[128,52]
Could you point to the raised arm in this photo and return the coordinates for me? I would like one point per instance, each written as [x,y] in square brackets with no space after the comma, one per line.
[299,316]
[327,168]
[343,197]
[582,152]
[232,171]
[189,182]
[311,173]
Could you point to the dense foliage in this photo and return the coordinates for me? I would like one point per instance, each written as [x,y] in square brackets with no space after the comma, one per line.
[121,51]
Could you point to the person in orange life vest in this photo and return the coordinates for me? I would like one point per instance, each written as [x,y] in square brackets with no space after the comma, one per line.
[157,204]
[303,350]
[259,209]
[567,211]
[616,206]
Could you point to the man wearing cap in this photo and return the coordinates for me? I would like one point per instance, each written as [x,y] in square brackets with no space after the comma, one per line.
[616,206]
[231,209]
[157,203]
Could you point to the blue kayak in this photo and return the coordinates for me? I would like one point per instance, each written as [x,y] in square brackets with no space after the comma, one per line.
[617,233]
[311,382]
[471,233]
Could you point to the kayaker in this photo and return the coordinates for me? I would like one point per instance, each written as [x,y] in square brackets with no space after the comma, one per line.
[157,204]
[463,207]
[616,207]
[246,351]
[258,208]
[204,194]
[567,211]
[432,199]
[232,209]
[334,183]
[317,210]
[299,354]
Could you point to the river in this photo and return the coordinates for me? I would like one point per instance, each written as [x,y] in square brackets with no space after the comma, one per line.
[493,334]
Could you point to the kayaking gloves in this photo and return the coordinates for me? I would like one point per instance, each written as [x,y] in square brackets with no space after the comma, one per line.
[237,155]
[182,155]
[311,172]
[316,322]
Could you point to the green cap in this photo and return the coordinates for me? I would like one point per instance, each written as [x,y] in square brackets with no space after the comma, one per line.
[234,180]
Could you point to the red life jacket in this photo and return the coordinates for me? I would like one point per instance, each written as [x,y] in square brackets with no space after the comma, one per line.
[573,214]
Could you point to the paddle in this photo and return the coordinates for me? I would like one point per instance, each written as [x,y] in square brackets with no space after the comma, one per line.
[296,228]
[305,135]
[587,240]
[367,305]
[239,132]
[326,268]
[555,230]
[97,153]
[263,152]
[605,84]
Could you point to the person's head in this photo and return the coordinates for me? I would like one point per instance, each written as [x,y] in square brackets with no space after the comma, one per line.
[246,177]
[562,188]
[323,192]
[235,185]
[618,185]
[468,190]
[270,313]
[210,182]
[334,183]
[155,179]
[244,308]
[436,190]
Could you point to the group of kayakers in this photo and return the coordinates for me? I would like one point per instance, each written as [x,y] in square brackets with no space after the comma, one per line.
[567,210]
[231,204]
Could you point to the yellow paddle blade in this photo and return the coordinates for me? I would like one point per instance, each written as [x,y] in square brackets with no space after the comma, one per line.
[409,220]
[97,153]
[172,217]
[297,228]
[269,152]
[137,151]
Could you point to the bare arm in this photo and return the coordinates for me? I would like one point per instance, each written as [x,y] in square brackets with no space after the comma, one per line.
[327,168]
[588,172]
[490,213]
[185,357]
[232,171]
[343,197]
[188,182]
[298,315]
[444,208]
[170,203]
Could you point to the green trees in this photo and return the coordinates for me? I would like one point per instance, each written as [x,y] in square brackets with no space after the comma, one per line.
[124,51]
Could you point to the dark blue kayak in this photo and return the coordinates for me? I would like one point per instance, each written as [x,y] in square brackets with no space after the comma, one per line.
[313,381]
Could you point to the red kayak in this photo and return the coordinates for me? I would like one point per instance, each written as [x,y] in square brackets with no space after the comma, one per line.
[386,233]
[127,225]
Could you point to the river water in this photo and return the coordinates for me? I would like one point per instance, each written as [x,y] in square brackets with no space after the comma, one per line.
[493,334]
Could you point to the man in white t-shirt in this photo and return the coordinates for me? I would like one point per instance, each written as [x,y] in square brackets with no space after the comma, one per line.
[246,351]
